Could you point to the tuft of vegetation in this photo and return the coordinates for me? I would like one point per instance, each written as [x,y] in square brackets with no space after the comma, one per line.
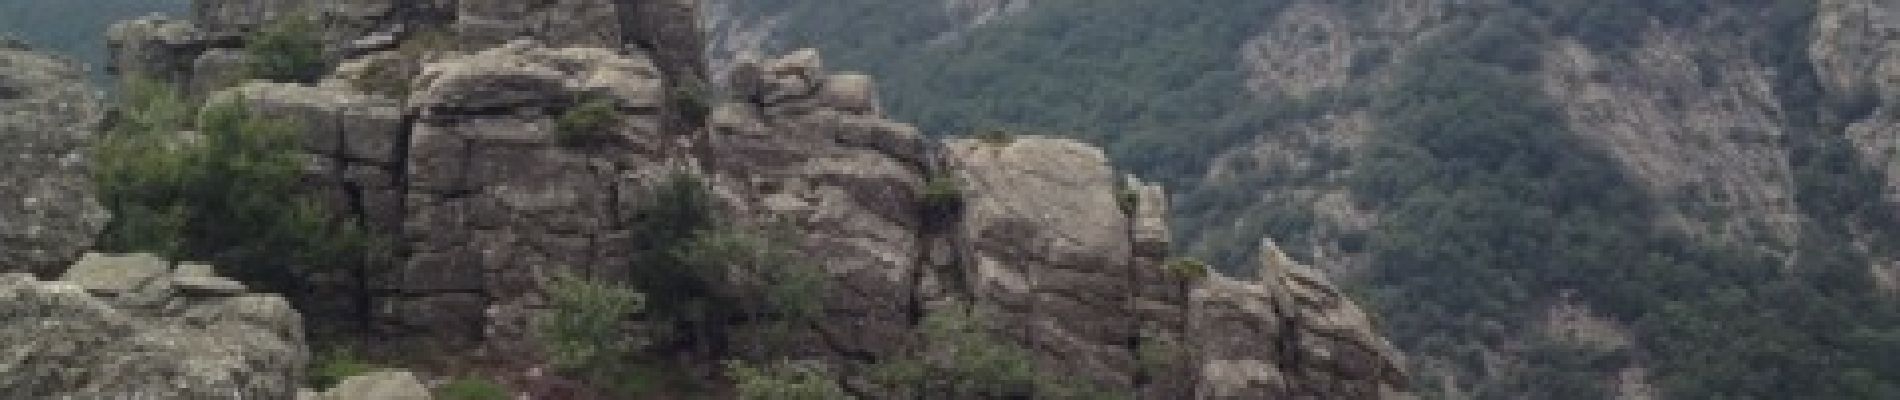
[784,380]
[996,137]
[966,361]
[694,100]
[587,122]
[943,200]
[473,389]
[1186,268]
[333,366]
[1128,199]
[287,50]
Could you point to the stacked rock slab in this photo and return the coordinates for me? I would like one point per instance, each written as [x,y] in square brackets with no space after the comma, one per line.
[48,116]
[498,193]
[841,178]
[124,327]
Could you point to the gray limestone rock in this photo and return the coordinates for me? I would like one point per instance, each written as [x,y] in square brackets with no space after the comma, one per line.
[1048,250]
[380,385]
[62,341]
[48,118]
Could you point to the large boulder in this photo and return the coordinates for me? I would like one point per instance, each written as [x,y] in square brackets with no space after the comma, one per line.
[1047,254]
[48,116]
[134,327]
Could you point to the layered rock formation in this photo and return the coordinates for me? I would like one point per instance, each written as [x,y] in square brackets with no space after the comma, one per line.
[479,160]
[137,327]
[48,118]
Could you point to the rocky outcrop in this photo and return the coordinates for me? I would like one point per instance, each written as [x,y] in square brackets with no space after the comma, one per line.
[497,193]
[1855,57]
[490,166]
[48,119]
[1323,346]
[1651,107]
[137,327]
[843,177]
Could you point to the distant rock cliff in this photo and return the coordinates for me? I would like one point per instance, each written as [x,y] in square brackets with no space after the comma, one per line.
[440,125]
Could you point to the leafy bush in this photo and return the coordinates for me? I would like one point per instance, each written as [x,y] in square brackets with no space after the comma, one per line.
[473,389]
[333,366]
[230,195]
[965,361]
[1187,269]
[287,50]
[784,380]
[587,122]
[585,329]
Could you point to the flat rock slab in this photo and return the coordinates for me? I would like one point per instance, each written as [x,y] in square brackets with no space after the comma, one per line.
[115,275]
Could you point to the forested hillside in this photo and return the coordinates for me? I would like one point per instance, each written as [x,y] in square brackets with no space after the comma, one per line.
[1545,199]
[76,27]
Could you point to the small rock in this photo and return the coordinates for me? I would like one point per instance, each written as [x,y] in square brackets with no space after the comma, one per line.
[114,275]
[203,286]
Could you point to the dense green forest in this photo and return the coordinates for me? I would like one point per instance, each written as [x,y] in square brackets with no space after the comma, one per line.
[76,27]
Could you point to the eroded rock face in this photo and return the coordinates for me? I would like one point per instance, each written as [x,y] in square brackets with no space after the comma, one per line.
[1314,342]
[48,119]
[1048,250]
[843,178]
[498,194]
[136,327]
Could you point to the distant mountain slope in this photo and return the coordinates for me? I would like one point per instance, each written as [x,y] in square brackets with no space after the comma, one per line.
[1544,199]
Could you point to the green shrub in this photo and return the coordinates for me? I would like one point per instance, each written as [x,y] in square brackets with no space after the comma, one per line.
[1187,269]
[695,101]
[783,380]
[587,122]
[473,389]
[287,50]
[585,327]
[942,200]
[231,195]
[963,360]
[1128,199]
[333,366]
[996,137]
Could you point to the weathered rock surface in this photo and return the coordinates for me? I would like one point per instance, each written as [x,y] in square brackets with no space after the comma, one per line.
[471,157]
[1323,346]
[497,193]
[845,179]
[380,385]
[132,327]
[1048,250]
[48,118]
